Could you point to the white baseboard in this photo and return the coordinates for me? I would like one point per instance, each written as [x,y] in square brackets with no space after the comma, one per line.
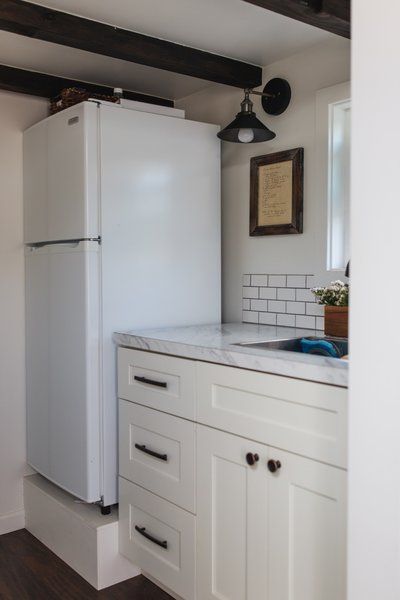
[12,521]
[76,532]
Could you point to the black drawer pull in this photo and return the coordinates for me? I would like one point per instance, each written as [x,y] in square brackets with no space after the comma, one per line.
[143,448]
[162,384]
[143,532]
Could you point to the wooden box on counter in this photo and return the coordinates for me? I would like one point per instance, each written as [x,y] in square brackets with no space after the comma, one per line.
[337,321]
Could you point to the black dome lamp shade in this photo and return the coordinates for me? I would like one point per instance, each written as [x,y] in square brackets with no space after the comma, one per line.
[246,128]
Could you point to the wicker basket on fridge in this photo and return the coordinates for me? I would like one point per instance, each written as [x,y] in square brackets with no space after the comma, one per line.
[73,95]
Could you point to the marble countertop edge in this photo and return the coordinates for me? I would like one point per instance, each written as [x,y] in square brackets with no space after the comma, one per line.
[217,344]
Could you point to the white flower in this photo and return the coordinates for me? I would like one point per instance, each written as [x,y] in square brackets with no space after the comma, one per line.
[335,294]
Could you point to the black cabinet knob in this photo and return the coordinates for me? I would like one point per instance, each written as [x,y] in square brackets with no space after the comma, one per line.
[274,465]
[252,458]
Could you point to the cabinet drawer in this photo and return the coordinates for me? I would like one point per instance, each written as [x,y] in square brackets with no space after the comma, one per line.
[157,451]
[303,417]
[166,551]
[158,381]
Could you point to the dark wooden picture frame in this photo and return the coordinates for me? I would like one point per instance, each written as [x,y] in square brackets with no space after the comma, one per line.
[296,157]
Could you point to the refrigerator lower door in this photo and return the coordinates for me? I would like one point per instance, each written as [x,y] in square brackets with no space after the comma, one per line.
[63,371]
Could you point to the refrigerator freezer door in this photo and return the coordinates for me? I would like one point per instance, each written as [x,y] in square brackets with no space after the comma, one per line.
[62,326]
[61,176]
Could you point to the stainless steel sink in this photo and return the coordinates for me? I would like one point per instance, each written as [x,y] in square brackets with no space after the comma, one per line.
[294,345]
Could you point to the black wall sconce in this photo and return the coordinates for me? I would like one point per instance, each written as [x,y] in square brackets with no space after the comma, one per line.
[246,128]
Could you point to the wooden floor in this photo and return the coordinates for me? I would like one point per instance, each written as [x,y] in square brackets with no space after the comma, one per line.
[30,571]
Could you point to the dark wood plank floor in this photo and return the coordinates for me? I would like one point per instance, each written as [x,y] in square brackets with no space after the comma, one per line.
[30,571]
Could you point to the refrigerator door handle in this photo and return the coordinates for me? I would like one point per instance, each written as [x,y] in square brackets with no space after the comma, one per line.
[74,242]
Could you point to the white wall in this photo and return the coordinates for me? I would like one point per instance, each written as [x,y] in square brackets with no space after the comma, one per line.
[16,113]
[319,67]
[374,403]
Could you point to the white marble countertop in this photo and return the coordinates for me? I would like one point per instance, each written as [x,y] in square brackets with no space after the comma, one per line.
[216,344]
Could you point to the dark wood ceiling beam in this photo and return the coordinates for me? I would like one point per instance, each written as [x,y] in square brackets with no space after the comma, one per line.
[35,21]
[49,86]
[337,8]
[331,15]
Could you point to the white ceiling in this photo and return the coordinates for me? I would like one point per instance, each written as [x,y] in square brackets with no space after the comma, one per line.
[228,27]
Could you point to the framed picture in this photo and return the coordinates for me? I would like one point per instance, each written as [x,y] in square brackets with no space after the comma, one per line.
[276,193]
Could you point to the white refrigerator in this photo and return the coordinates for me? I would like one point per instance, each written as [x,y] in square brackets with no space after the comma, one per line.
[122,231]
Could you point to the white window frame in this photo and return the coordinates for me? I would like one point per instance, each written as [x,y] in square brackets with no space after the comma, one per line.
[326,101]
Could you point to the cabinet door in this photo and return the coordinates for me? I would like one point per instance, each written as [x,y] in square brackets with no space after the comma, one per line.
[232,518]
[306,529]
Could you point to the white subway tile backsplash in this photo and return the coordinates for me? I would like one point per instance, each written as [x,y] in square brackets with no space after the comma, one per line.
[268,293]
[267,318]
[276,306]
[306,322]
[296,308]
[260,280]
[259,305]
[286,320]
[250,292]
[315,309]
[277,281]
[249,316]
[296,281]
[284,300]
[311,281]
[286,294]
[304,295]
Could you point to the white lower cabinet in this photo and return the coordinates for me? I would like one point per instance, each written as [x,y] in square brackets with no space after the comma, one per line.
[265,535]
[209,506]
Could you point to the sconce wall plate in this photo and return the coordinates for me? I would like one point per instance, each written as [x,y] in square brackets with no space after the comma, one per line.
[278,96]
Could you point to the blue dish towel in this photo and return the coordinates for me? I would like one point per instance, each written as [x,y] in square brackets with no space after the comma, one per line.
[321,347]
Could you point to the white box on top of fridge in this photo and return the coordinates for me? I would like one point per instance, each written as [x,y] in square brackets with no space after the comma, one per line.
[122,231]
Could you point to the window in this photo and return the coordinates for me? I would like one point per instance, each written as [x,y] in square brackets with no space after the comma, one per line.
[338,186]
